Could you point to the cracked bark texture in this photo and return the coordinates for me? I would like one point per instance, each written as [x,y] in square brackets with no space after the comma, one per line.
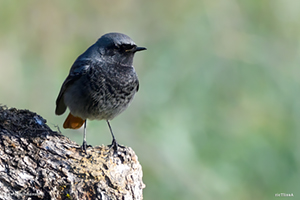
[38,163]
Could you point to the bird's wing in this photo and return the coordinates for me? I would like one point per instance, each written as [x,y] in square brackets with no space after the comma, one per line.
[79,68]
[138,85]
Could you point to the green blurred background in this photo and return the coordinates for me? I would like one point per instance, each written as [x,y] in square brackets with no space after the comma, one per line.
[217,114]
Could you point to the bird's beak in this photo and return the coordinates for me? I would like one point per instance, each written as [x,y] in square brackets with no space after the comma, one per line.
[140,49]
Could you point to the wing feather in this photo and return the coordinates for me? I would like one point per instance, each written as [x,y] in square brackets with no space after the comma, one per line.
[79,68]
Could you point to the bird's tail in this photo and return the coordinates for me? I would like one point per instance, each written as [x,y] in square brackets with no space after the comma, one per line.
[73,122]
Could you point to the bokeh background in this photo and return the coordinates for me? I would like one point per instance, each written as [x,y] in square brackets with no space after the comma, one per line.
[218,111]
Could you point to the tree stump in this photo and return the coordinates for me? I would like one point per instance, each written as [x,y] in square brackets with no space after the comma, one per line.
[38,163]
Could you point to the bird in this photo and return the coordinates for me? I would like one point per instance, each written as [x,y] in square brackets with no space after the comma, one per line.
[101,83]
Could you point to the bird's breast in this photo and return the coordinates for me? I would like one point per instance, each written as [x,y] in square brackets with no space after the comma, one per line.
[103,94]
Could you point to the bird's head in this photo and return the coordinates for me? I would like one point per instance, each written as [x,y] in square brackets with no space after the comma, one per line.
[118,48]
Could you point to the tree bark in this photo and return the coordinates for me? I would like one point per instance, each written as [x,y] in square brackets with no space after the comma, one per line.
[38,163]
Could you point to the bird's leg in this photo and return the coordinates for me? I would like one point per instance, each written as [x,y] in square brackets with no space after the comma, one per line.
[114,143]
[83,147]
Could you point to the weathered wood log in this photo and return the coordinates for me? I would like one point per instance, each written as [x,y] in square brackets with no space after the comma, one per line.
[38,163]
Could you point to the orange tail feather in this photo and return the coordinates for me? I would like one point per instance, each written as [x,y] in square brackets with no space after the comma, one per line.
[73,122]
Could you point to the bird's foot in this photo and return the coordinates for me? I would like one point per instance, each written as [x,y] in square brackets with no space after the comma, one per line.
[114,145]
[83,146]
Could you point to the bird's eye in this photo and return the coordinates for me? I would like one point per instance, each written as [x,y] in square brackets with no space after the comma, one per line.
[128,48]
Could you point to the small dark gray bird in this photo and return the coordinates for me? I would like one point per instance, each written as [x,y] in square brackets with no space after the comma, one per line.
[101,83]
